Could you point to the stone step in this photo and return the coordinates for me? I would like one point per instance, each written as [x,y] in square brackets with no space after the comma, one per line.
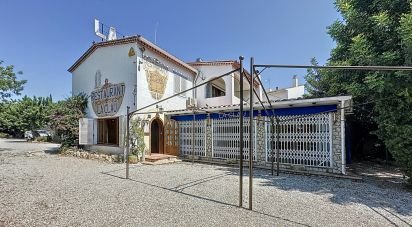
[156,159]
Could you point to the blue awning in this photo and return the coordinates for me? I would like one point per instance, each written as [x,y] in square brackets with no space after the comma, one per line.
[278,112]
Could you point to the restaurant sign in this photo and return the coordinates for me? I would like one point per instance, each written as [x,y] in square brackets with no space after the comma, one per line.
[107,99]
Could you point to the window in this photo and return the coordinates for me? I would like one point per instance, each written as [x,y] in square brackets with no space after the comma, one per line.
[216,92]
[216,88]
[108,131]
[180,84]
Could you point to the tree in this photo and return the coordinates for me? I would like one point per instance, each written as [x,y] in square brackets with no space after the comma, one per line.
[64,119]
[26,114]
[9,84]
[373,32]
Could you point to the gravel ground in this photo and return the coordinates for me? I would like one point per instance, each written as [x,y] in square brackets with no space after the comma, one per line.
[51,190]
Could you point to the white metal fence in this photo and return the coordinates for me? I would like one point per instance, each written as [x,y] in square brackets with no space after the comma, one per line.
[226,138]
[186,135]
[303,140]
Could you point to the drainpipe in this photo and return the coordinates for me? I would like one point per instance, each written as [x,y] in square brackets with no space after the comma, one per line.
[342,136]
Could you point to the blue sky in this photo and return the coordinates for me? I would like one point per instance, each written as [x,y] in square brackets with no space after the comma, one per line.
[44,38]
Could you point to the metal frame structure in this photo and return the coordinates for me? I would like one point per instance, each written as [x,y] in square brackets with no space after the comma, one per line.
[273,120]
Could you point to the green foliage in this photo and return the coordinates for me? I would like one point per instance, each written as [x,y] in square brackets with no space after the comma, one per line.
[4,135]
[26,114]
[64,119]
[137,137]
[43,139]
[373,32]
[8,82]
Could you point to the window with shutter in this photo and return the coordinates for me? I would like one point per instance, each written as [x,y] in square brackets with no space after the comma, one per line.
[176,84]
[86,131]
[183,84]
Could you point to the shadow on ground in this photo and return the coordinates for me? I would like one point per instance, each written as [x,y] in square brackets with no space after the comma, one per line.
[384,201]
[179,189]
[52,151]
[387,202]
[5,149]
[14,141]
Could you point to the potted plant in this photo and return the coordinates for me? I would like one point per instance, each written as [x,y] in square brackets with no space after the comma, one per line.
[132,159]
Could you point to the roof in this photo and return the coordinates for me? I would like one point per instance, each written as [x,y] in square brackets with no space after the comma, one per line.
[233,63]
[217,62]
[133,39]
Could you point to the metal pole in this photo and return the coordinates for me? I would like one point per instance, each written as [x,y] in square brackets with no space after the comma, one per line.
[241,135]
[127,142]
[251,133]
[274,128]
[277,146]
[342,67]
[193,138]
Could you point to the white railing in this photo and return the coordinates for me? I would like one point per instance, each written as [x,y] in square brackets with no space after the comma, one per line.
[186,137]
[226,138]
[303,140]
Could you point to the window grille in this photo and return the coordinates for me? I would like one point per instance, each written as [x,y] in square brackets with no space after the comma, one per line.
[185,137]
[226,138]
[303,140]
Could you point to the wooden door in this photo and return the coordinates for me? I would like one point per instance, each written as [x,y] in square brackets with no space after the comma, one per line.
[171,135]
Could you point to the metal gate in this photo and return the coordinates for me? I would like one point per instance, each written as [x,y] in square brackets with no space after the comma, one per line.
[188,133]
[305,140]
[226,138]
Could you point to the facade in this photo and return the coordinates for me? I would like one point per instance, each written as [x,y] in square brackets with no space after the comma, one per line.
[126,72]
[133,72]
[311,134]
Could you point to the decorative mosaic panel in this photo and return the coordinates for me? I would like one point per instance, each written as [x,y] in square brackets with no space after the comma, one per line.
[186,137]
[226,138]
[303,140]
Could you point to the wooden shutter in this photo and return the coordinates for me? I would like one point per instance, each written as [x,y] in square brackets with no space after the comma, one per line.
[176,83]
[183,84]
[171,138]
[86,131]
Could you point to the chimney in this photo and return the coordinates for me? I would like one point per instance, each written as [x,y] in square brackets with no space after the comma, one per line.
[295,81]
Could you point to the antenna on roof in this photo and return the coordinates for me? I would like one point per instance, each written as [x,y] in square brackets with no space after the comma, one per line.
[157,25]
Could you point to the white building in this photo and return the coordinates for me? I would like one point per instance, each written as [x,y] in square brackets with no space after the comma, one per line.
[223,91]
[126,72]
[133,72]
[293,92]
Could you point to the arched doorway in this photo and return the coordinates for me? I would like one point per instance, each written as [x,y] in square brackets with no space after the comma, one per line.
[156,136]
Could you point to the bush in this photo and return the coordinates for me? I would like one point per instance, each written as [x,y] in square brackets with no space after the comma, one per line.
[65,119]
[4,135]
